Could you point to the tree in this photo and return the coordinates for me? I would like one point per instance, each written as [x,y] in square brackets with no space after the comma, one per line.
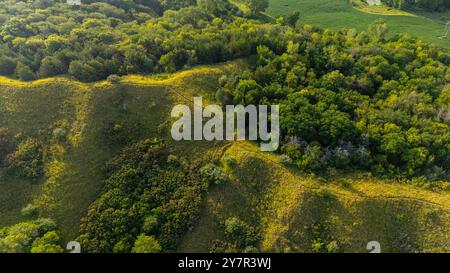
[293,18]
[239,233]
[24,72]
[82,71]
[257,6]
[27,160]
[22,237]
[151,224]
[51,66]
[214,7]
[29,211]
[146,244]
[7,65]
[378,30]
[49,243]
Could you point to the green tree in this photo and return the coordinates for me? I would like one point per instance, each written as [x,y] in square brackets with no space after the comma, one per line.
[49,243]
[7,65]
[378,30]
[146,244]
[24,72]
[257,6]
[27,160]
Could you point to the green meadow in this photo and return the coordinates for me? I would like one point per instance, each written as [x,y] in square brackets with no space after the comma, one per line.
[339,14]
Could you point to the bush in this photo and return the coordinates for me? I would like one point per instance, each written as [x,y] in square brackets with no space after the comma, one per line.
[286,160]
[32,236]
[29,211]
[140,181]
[59,134]
[230,161]
[114,79]
[7,65]
[174,160]
[151,224]
[27,160]
[146,244]
[24,72]
[49,243]
[213,174]
[239,233]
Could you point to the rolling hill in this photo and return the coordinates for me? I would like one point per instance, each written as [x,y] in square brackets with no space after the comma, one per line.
[289,211]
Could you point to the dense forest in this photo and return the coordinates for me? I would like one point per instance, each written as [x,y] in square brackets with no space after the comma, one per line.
[350,102]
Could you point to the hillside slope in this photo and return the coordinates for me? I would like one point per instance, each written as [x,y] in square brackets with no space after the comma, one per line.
[289,211]
[297,213]
[87,112]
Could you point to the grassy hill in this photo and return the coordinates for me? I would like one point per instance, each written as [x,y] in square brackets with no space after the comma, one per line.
[73,169]
[289,211]
[297,213]
[338,14]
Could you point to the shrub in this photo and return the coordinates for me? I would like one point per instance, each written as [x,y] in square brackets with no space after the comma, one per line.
[174,160]
[140,181]
[151,224]
[49,243]
[239,233]
[213,174]
[146,244]
[29,211]
[59,134]
[286,160]
[24,72]
[114,79]
[27,160]
[230,161]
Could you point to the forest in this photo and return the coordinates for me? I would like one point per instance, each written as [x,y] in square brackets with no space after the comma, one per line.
[351,103]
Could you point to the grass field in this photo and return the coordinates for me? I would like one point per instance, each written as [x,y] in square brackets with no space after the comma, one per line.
[338,14]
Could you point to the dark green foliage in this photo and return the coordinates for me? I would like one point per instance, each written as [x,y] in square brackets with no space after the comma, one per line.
[240,234]
[257,6]
[29,211]
[101,38]
[27,160]
[213,174]
[143,196]
[7,65]
[348,102]
[24,72]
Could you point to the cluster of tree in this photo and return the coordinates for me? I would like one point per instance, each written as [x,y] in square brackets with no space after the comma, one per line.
[100,38]
[38,236]
[353,100]
[27,160]
[238,237]
[147,204]
[430,5]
